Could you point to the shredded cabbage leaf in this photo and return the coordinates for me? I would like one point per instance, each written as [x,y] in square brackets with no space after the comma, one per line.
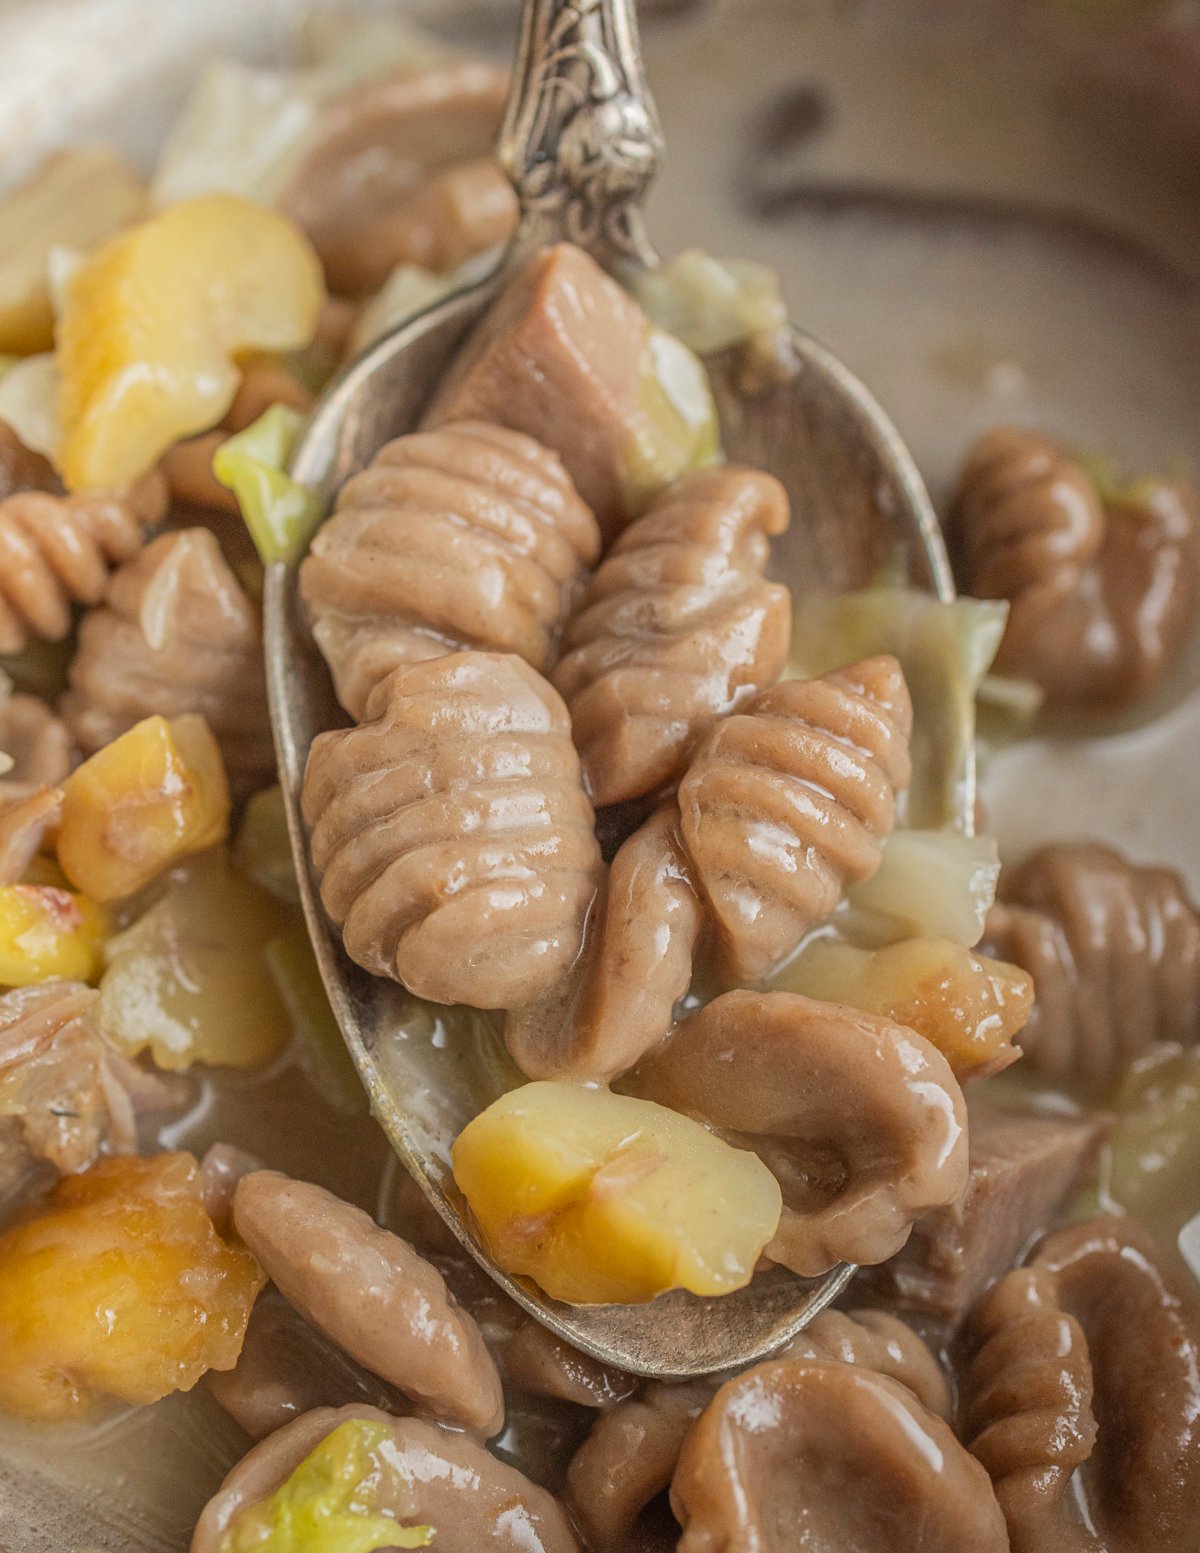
[409,290]
[279,512]
[945,650]
[29,403]
[712,304]
[245,129]
[324,1506]
[929,884]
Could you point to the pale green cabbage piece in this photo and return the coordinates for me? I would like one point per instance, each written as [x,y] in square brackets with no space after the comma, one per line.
[679,430]
[409,290]
[323,1507]
[29,402]
[945,650]
[245,129]
[280,513]
[711,304]
[929,884]
[262,850]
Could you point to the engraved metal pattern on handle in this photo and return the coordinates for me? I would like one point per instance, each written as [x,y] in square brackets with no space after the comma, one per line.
[581,140]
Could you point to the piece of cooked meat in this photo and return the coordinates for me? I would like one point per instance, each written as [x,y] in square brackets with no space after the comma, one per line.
[1023,1167]
[566,356]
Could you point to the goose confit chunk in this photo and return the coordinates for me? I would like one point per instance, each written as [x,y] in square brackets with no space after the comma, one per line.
[566,356]
[1023,1167]
[66,1094]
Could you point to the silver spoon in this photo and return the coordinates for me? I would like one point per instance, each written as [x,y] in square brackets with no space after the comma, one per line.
[581,144]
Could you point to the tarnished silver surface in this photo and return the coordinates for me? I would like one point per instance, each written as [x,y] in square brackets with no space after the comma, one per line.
[581,144]
[581,140]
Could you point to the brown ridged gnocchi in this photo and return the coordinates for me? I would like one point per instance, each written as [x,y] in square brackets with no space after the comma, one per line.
[619,999]
[1026,1404]
[676,628]
[786,803]
[1103,588]
[1139,1487]
[57,551]
[177,634]
[1114,951]
[825,1456]
[471,536]
[455,212]
[860,1120]
[454,839]
[36,742]
[632,1450]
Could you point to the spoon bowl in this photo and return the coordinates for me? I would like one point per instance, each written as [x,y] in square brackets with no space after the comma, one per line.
[581,144]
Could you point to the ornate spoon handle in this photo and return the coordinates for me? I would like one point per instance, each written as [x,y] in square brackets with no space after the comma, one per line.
[581,140]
